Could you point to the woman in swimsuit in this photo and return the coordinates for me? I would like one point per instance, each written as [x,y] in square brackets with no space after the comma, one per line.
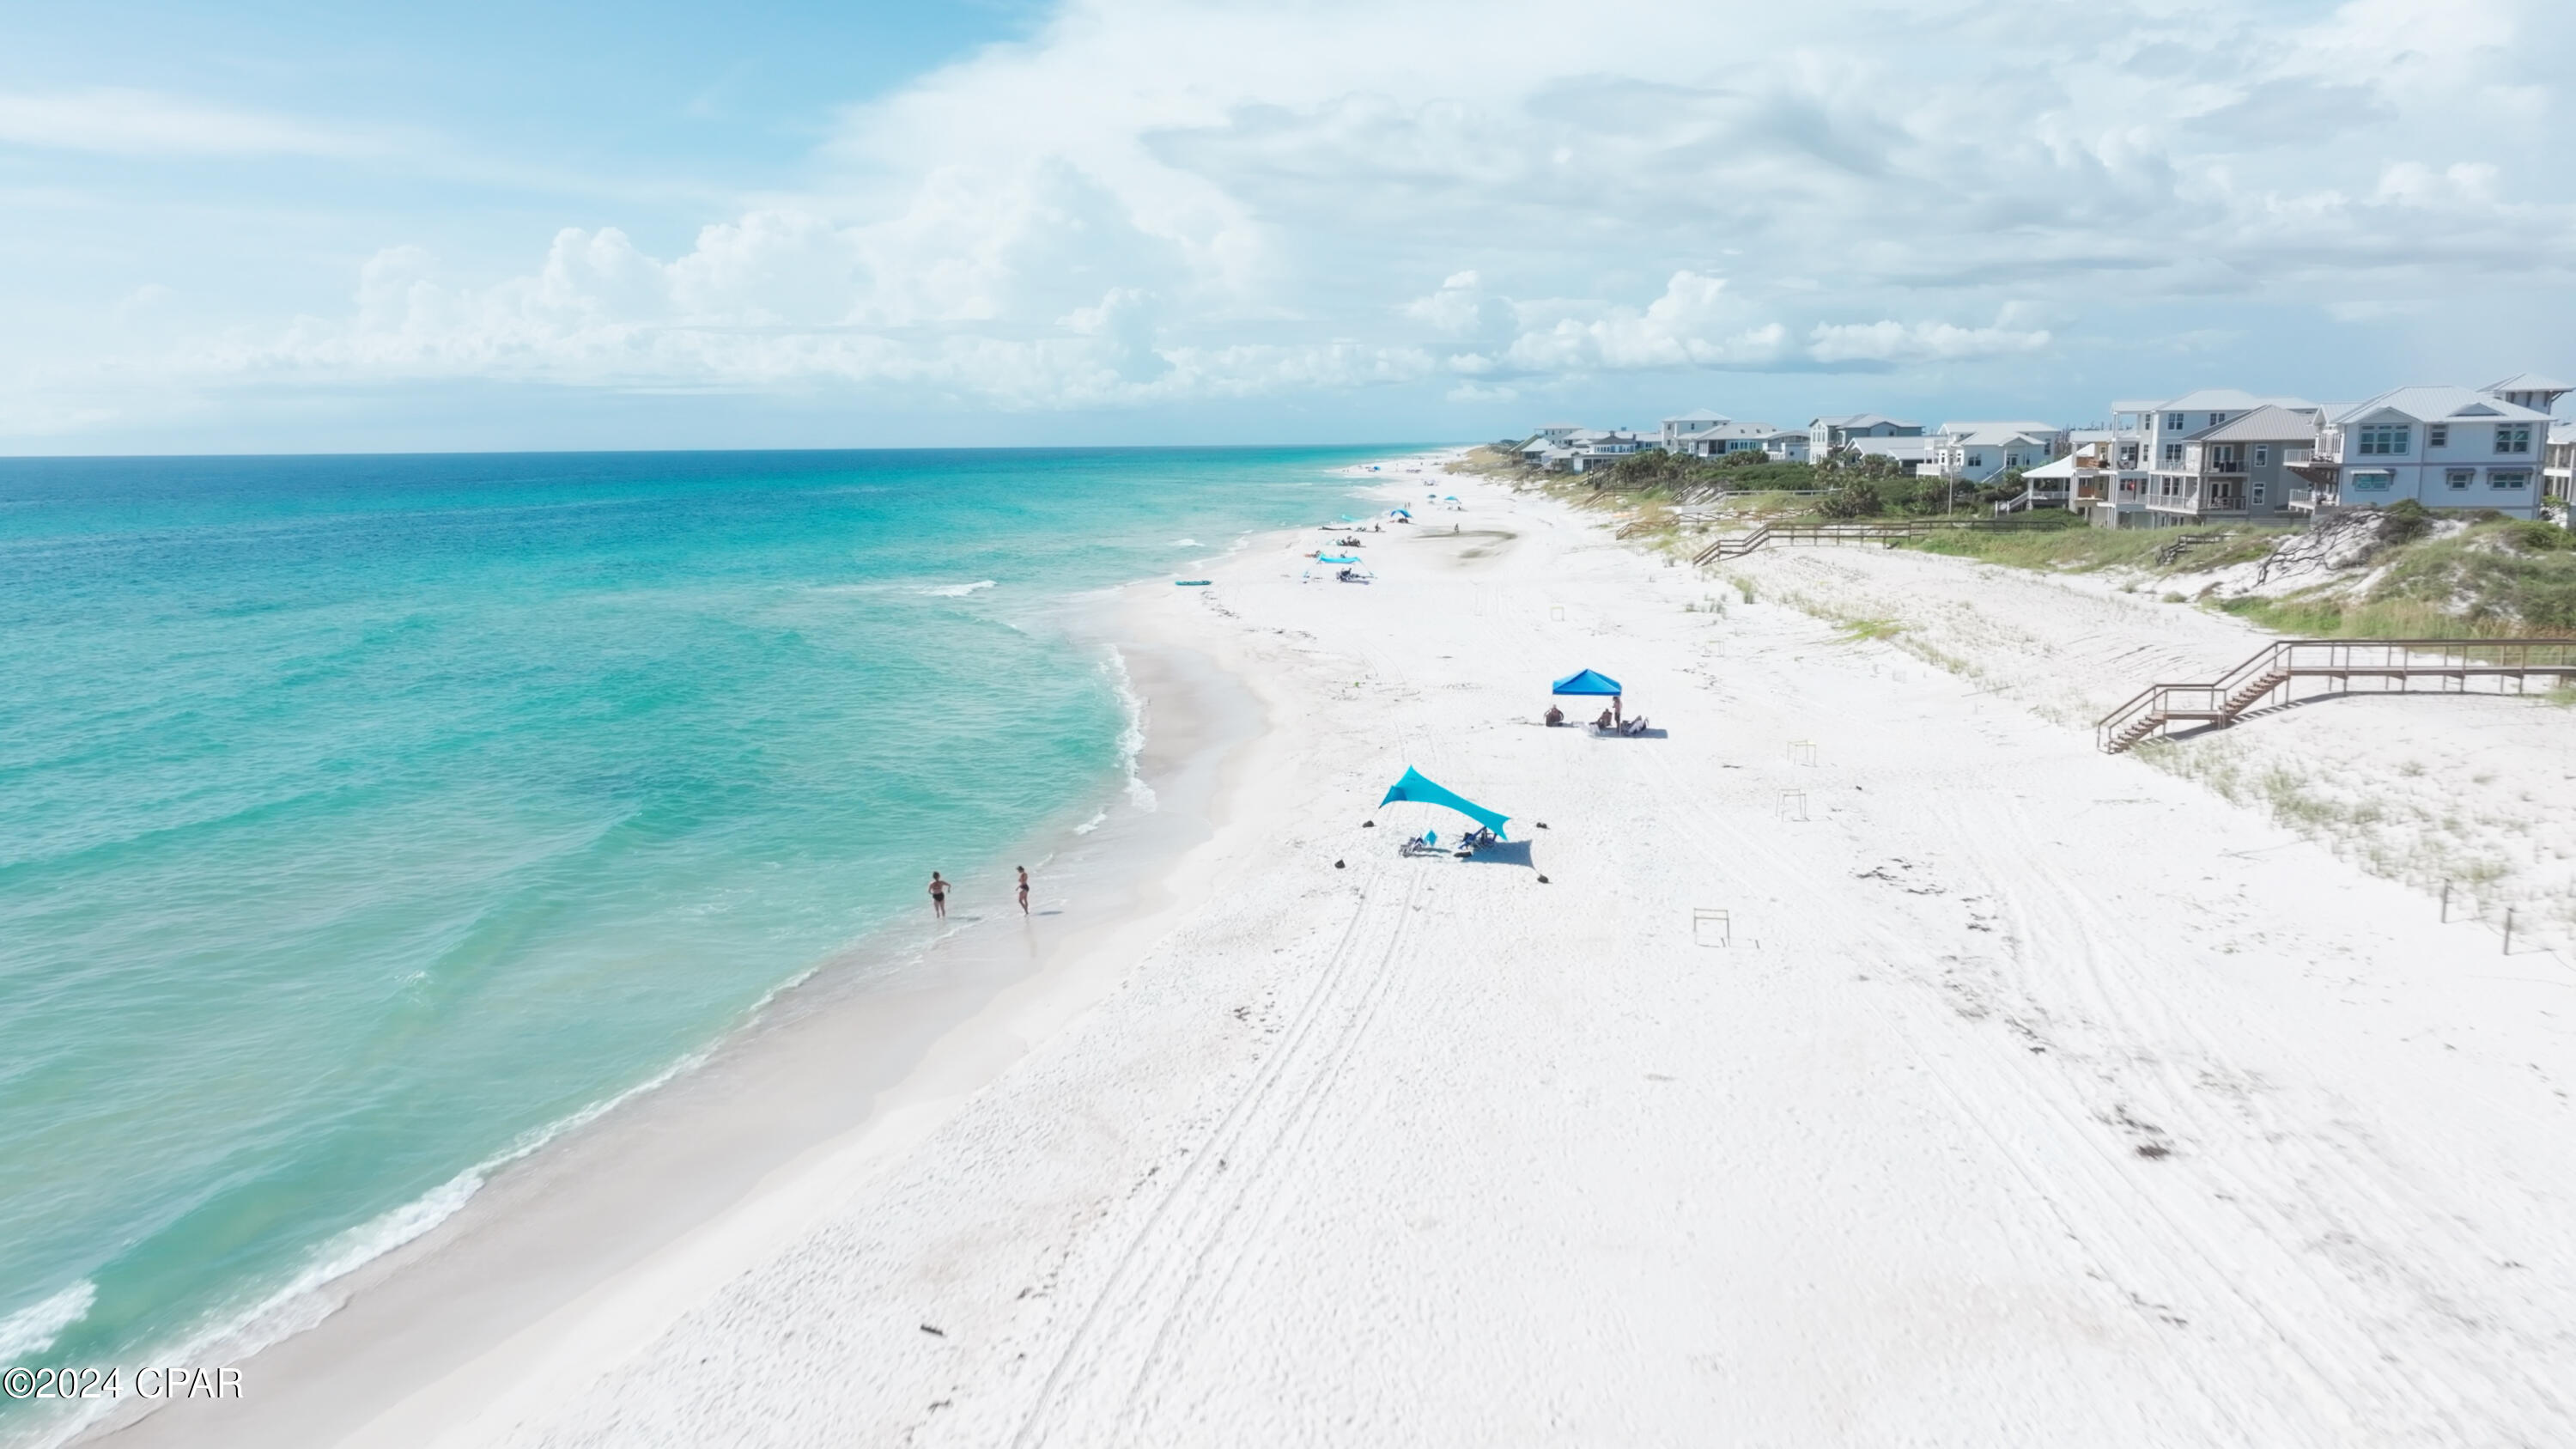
[1024,889]
[938,895]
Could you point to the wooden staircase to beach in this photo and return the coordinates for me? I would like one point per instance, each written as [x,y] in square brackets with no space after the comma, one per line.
[2453,666]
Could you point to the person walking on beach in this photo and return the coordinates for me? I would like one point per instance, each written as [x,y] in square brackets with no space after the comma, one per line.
[1024,888]
[938,895]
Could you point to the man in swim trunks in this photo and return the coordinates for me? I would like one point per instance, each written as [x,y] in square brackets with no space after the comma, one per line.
[1024,888]
[938,895]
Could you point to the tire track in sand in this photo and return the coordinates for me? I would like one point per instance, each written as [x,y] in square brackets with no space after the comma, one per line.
[1198,1202]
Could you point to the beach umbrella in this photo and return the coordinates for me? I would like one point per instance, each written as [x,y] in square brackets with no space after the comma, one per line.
[1420,791]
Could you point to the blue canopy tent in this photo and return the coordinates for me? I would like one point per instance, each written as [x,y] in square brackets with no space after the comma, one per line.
[1337,558]
[1422,792]
[1592,682]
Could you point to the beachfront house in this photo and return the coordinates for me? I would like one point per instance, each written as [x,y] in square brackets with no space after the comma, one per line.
[2444,447]
[2151,434]
[1685,425]
[2105,472]
[1824,435]
[1789,445]
[1570,449]
[1723,438]
[2243,467]
[1912,454]
[1976,452]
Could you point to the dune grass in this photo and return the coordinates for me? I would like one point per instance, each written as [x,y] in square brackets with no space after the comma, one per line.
[2496,580]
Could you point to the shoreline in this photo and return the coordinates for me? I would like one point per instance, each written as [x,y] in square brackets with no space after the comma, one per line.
[1807,1070]
[680,1176]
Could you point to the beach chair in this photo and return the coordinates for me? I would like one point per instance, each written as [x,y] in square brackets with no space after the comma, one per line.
[1427,843]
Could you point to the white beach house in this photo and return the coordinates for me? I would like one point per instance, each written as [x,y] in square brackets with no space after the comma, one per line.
[1824,435]
[1976,452]
[1723,438]
[2444,447]
[1684,425]
[1912,454]
[1570,449]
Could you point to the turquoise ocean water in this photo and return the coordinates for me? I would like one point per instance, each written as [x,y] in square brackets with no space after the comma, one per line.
[363,820]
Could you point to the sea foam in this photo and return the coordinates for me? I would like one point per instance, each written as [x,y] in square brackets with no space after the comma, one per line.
[32,1329]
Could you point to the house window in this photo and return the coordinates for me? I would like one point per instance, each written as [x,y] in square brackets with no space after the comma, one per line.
[2460,477]
[2384,440]
[1976,460]
[2437,435]
[2216,418]
[2173,452]
[2502,478]
[2373,481]
[2174,421]
[2513,437]
[2258,495]
[2262,455]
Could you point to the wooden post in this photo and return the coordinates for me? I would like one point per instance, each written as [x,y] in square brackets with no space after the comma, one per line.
[2446,903]
[2508,930]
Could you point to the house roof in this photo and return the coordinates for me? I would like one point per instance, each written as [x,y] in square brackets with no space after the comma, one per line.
[2562,432]
[2062,468]
[1916,449]
[2265,424]
[2529,382]
[1858,420]
[2440,404]
[1703,415]
[1998,434]
[1735,430]
[2212,400]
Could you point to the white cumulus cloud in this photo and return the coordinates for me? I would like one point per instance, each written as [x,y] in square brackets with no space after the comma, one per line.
[1153,201]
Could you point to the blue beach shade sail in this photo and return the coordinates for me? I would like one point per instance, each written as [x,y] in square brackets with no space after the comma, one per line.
[1587,681]
[1336,558]
[1422,792]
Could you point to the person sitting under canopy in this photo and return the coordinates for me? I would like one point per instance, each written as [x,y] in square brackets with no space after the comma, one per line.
[1413,787]
[1594,683]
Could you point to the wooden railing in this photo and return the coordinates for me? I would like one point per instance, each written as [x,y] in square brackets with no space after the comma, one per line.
[1890,533]
[2454,665]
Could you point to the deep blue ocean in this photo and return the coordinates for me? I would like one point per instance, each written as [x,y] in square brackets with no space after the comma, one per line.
[364,820]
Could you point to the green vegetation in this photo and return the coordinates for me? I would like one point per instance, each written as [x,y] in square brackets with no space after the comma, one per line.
[2495,580]
[1669,474]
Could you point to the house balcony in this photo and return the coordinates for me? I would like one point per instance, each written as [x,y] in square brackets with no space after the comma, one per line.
[2215,496]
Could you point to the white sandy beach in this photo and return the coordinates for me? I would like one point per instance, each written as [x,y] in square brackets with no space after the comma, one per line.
[2026,1096]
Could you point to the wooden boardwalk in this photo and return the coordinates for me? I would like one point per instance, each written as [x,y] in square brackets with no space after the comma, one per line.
[2395,666]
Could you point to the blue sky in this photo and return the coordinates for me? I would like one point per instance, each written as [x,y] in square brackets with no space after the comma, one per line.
[305,227]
